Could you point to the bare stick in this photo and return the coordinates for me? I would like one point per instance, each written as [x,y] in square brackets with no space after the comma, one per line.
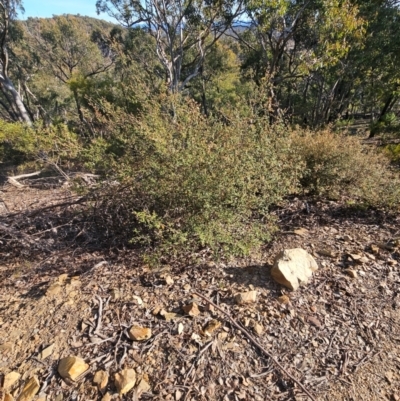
[99,316]
[257,344]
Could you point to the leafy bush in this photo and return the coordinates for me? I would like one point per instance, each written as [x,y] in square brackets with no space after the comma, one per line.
[191,182]
[339,164]
[20,143]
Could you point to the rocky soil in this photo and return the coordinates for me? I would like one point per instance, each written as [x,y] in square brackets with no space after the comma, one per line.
[83,323]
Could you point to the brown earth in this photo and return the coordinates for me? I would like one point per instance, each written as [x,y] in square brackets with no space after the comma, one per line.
[339,335]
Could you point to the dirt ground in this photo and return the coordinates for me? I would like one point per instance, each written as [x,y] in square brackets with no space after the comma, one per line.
[339,336]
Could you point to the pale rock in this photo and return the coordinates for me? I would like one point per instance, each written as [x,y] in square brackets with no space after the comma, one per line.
[137,299]
[143,385]
[246,297]
[125,380]
[30,390]
[47,352]
[72,367]
[180,328]
[54,289]
[169,280]
[374,248]
[284,300]
[62,278]
[101,379]
[258,329]
[352,273]
[191,309]
[10,379]
[301,232]
[168,316]
[6,347]
[9,397]
[107,397]
[139,333]
[211,327]
[391,262]
[293,267]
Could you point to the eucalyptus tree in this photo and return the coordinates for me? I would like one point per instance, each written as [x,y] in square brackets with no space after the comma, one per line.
[184,31]
[12,101]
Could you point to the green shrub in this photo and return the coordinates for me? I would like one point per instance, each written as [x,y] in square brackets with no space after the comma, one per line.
[20,143]
[339,164]
[190,182]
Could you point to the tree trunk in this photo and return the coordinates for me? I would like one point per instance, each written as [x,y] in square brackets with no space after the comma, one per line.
[16,102]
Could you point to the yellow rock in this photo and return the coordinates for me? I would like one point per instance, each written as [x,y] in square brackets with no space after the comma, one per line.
[191,309]
[30,390]
[107,397]
[9,397]
[72,367]
[284,299]
[47,352]
[246,297]
[211,326]
[10,379]
[125,380]
[54,289]
[101,379]
[138,333]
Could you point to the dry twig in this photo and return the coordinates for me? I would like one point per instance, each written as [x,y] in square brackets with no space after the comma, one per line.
[257,344]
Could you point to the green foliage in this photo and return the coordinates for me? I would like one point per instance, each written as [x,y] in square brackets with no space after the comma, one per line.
[196,182]
[337,164]
[19,143]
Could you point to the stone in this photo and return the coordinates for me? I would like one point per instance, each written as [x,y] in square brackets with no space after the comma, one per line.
[169,280]
[6,348]
[30,389]
[139,333]
[9,397]
[211,327]
[302,232]
[258,329]
[106,397]
[10,379]
[284,300]
[352,273]
[191,309]
[246,297]
[54,289]
[293,267]
[101,379]
[374,248]
[143,385]
[72,367]
[47,352]
[327,252]
[168,316]
[125,380]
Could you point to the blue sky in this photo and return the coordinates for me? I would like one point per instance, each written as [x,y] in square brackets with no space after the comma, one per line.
[48,8]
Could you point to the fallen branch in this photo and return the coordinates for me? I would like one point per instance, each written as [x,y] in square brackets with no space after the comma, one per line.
[14,179]
[257,344]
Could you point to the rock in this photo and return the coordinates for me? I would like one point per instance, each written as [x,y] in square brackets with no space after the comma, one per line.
[391,262]
[314,321]
[9,397]
[210,327]
[10,379]
[191,309]
[374,248]
[101,379]
[6,348]
[30,390]
[293,267]
[125,380]
[352,273]
[72,367]
[139,333]
[327,252]
[143,385]
[47,352]
[168,316]
[258,329]
[106,397]
[302,232]
[54,289]
[169,280]
[284,299]
[246,297]
[137,299]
